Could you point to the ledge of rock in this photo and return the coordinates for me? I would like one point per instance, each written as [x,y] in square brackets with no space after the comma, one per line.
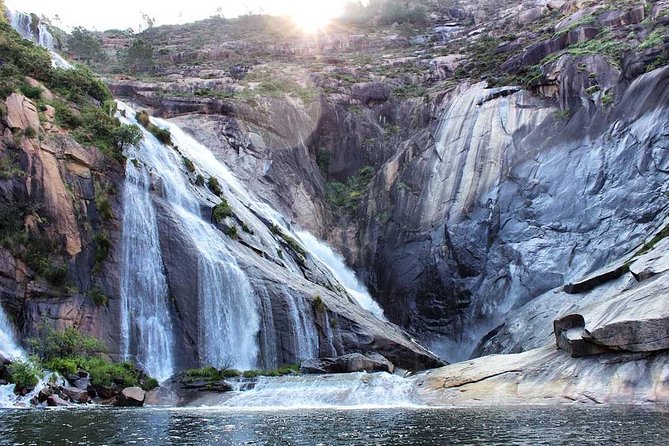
[353,362]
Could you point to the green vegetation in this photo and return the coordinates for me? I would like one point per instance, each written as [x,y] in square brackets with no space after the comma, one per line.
[98,297]
[664,233]
[318,304]
[212,184]
[24,374]
[231,231]
[85,45]
[188,164]
[655,39]
[161,134]
[38,254]
[140,56]
[397,11]
[127,136]
[221,211]
[323,159]
[349,194]
[101,248]
[213,374]
[291,242]
[199,180]
[67,351]
[287,369]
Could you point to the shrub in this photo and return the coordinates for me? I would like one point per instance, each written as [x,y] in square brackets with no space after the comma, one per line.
[162,135]
[101,247]
[221,211]
[189,165]
[199,180]
[214,186]
[31,92]
[24,374]
[98,297]
[231,231]
[318,304]
[350,193]
[67,343]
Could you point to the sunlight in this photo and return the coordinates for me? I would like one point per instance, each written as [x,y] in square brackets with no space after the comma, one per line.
[311,16]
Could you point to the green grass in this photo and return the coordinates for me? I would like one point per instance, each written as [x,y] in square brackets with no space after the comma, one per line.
[221,211]
[349,194]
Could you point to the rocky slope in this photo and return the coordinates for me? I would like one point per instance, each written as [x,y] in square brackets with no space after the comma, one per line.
[484,195]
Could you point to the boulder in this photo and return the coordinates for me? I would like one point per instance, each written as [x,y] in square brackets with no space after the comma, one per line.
[81,380]
[350,363]
[131,397]
[55,400]
[21,112]
[569,336]
[367,92]
[619,17]
[75,394]
[45,393]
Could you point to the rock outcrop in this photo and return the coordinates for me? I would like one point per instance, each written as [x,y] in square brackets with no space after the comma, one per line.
[353,362]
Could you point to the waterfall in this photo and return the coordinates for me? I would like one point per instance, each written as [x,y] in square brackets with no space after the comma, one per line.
[9,348]
[40,34]
[343,274]
[351,390]
[227,305]
[145,321]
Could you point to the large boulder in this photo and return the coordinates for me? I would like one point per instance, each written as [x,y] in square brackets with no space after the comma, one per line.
[131,397]
[350,363]
[367,92]
[75,394]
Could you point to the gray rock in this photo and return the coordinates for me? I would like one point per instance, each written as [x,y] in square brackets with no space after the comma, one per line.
[569,336]
[350,363]
[55,400]
[131,397]
[370,92]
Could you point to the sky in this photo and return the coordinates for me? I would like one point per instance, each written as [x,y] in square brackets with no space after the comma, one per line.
[123,14]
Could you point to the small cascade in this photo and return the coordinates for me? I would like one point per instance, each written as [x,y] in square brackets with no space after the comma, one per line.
[8,399]
[146,325]
[351,390]
[38,33]
[344,275]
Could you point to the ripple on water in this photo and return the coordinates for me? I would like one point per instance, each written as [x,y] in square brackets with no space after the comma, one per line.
[415,427]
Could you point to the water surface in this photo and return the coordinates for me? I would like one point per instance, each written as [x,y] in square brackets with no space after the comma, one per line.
[187,426]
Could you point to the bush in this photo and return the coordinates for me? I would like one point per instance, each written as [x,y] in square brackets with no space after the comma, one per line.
[396,11]
[350,193]
[102,245]
[199,180]
[24,374]
[318,304]
[231,231]
[31,92]
[127,136]
[66,343]
[162,135]
[189,165]
[98,297]
[221,211]
[214,186]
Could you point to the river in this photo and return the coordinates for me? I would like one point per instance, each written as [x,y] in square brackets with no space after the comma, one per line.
[536,425]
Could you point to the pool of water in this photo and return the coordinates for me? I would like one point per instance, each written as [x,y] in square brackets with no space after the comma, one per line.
[489,426]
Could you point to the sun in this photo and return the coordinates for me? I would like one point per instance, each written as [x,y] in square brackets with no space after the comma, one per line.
[312,16]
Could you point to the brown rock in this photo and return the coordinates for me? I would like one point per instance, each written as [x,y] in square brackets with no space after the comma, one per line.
[55,400]
[21,112]
[131,397]
[76,395]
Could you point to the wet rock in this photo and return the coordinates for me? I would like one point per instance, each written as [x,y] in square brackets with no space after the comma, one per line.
[81,380]
[208,386]
[55,400]
[45,393]
[350,363]
[75,394]
[131,397]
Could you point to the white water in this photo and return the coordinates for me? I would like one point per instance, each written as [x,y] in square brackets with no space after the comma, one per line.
[344,275]
[22,23]
[146,325]
[9,348]
[228,307]
[351,390]
[9,399]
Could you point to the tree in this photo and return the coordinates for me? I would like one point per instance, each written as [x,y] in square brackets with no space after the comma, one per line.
[84,45]
[126,136]
[140,56]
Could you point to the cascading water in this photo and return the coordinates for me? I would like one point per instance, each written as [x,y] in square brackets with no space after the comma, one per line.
[39,33]
[9,348]
[228,307]
[146,325]
[351,390]
[343,274]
